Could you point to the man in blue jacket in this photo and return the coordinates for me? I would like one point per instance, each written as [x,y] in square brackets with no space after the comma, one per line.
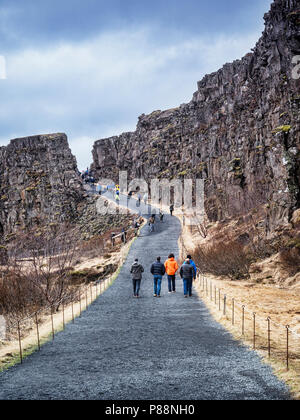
[190,286]
[158,270]
[189,257]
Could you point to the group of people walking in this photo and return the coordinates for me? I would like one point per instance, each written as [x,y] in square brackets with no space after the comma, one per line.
[188,273]
[87,177]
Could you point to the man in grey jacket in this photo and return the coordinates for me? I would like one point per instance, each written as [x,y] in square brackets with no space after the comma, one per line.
[136,271]
[187,275]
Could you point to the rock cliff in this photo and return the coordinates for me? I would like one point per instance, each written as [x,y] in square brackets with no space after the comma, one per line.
[39,183]
[240,132]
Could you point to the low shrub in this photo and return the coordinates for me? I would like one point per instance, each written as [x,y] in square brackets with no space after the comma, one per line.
[290,258]
[224,259]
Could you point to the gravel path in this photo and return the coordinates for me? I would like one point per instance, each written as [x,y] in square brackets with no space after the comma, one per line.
[147,349]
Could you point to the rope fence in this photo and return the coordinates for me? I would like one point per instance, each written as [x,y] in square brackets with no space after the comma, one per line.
[82,298]
[279,342]
[85,295]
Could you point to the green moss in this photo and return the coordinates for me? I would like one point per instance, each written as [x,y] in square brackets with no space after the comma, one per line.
[183,173]
[202,166]
[169,127]
[82,273]
[154,113]
[294,243]
[282,129]
[164,173]
[30,189]
[238,174]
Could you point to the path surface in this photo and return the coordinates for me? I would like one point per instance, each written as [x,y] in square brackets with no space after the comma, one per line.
[152,349]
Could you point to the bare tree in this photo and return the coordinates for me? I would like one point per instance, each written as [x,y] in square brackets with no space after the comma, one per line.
[37,270]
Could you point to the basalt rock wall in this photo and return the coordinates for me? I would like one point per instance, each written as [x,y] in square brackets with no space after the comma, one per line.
[39,183]
[240,133]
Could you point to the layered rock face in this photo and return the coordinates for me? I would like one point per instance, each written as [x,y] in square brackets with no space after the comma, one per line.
[240,133]
[39,183]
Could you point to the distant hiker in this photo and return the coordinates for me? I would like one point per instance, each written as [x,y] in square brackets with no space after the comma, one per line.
[112,237]
[145,198]
[171,270]
[129,197]
[161,216]
[151,224]
[172,209]
[189,257]
[158,270]
[136,226]
[136,271]
[124,236]
[139,198]
[187,275]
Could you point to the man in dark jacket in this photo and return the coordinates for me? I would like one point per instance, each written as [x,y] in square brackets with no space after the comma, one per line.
[158,270]
[172,209]
[136,271]
[187,275]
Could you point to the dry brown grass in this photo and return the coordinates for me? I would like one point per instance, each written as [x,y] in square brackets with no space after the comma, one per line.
[9,349]
[272,300]
[36,271]
[283,308]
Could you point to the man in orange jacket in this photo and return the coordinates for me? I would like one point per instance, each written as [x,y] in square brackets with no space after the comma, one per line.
[171,270]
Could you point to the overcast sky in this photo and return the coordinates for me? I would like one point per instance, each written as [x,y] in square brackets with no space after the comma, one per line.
[89,68]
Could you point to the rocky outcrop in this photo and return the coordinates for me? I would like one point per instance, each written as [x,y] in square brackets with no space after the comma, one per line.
[39,183]
[240,132]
